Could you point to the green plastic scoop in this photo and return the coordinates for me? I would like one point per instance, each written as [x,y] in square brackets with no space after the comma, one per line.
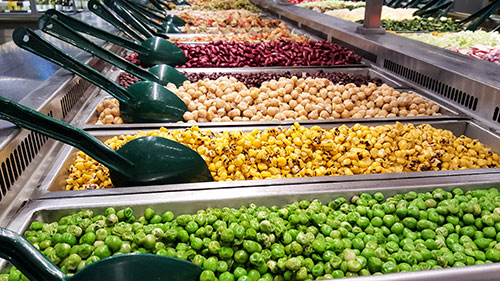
[154,14]
[127,267]
[162,74]
[142,161]
[140,22]
[151,52]
[142,102]
[97,8]
[159,5]
[164,27]
[104,12]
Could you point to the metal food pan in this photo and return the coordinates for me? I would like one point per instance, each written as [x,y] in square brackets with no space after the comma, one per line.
[88,116]
[293,30]
[52,185]
[190,202]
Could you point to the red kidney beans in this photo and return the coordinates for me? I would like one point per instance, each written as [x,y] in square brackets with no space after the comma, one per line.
[273,53]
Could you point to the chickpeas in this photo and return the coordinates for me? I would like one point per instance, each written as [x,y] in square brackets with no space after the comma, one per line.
[301,152]
[109,112]
[227,97]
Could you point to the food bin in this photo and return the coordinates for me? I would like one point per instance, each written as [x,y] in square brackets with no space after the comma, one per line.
[186,202]
[88,116]
[53,184]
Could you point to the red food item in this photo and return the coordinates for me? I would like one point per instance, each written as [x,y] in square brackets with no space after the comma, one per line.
[273,53]
[479,51]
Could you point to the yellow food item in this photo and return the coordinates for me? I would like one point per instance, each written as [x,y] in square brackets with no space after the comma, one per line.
[302,152]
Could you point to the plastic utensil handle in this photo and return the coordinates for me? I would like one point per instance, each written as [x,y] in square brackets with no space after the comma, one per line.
[58,29]
[83,27]
[129,18]
[97,8]
[158,5]
[146,7]
[140,16]
[147,12]
[32,263]
[29,40]
[33,120]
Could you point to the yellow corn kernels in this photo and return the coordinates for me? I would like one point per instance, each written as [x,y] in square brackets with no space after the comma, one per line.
[302,152]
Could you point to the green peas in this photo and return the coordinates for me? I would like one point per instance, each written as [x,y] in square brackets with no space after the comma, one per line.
[293,264]
[226,253]
[428,234]
[253,274]
[210,264]
[377,221]
[397,228]
[256,259]
[489,232]
[358,243]
[62,250]
[68,238]
[207,275]
[240,256]
[222,266]
[226,276]
[168,216]
[483,243]
[113,242]
[71,262]
[319,245]
[389,267]
[318,269]
[227,235]
[251,246]
[214,247]
[239,271]
[493,254]
[102,251]
[149,213]
[353,265]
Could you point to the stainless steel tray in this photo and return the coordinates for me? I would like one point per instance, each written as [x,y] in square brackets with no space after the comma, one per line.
[292,29]
[52,186]
[88,116]
[189,202]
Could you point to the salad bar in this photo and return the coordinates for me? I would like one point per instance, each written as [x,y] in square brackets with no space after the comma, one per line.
[252,141]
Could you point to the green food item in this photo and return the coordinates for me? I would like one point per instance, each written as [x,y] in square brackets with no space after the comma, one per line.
[226,5]
[303,240]
[422,24]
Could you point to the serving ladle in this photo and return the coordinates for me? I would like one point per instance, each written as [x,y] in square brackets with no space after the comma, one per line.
[127,267]
[142,102]
[142,161]
[162,74]
[151,52]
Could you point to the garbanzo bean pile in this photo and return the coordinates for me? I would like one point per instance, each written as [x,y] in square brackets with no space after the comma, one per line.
[301,152]
[227,99]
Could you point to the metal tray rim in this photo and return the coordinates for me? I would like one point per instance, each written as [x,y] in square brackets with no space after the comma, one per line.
[63,156]
[470,273]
